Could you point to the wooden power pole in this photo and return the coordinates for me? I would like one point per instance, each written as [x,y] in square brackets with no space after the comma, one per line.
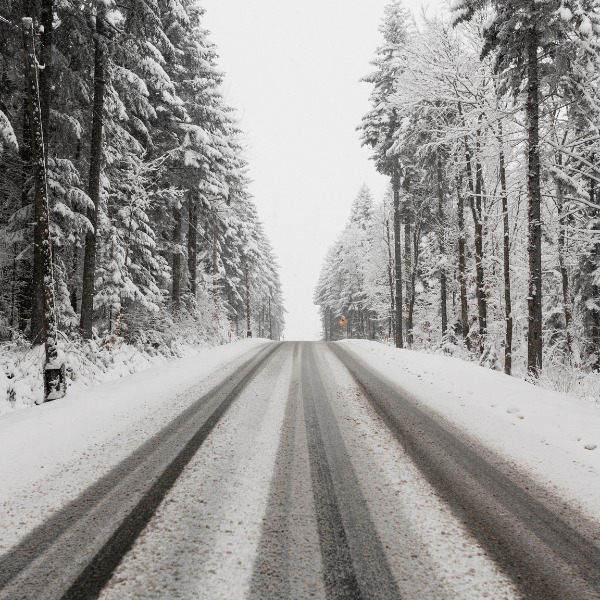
[54,369]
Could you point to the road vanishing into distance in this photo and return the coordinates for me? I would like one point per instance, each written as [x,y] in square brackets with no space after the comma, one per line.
[298,472]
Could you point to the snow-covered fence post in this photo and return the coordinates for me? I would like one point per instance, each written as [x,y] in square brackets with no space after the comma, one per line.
[54,368]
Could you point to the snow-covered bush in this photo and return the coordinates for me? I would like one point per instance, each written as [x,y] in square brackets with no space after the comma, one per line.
[570,379]
[102,359]
[449,343]
[489,357]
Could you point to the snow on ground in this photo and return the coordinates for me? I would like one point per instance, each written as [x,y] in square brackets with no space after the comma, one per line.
[51,452]
[431,552]
[551,437]
[204,538]
[86,365]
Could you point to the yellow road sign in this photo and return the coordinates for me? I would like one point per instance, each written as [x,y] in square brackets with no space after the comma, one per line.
[343,322]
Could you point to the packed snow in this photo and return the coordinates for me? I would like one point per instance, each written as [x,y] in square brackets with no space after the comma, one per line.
[87,365]
[54,451]
[551,437]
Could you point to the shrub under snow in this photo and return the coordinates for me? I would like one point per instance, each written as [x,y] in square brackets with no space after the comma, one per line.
[105,358]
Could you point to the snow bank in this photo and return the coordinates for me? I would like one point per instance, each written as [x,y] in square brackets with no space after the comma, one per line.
[57,431]
[87,365]
[551,437]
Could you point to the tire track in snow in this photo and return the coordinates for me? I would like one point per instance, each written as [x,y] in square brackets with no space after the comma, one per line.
[355,564]
[288,561]
[271,576]
[545,557]
[432,555]
[73,554]
[203,540]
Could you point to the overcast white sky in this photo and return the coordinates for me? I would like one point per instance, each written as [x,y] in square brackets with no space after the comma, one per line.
[292,72]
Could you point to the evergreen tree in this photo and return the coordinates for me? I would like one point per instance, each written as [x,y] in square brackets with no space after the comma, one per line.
[517,33]
[380,125]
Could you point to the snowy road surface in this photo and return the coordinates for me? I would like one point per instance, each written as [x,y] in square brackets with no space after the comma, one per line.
[295,470]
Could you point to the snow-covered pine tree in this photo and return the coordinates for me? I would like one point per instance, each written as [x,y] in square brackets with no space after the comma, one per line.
[379,127]
[516,33]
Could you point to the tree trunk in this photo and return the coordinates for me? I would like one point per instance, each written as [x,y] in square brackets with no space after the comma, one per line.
[271,321]
[397,255]
[89,259]
[261,319]
[407,248]
[26,295]
[37,287]
[507,298]
[248,330]
[37,278]
[54,368]
[534,297]
[13,290]
[37,315]
[462,262]
[443,291]
[564,274]
[413,281]
[475,203]
[332,326]
[46,21]
[192,242]
[177,259]
[595,328]
[31,303]
[214,259]
[391,280]
[74,269]
[563,270]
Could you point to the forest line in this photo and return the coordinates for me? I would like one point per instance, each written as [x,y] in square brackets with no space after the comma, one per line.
[151,221]
[485,118]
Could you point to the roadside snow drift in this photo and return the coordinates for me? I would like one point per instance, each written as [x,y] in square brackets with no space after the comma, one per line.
[552,438]
[50,453]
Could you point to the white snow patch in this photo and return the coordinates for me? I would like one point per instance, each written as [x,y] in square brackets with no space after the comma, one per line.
[52,452]
[7,134]
[547,435]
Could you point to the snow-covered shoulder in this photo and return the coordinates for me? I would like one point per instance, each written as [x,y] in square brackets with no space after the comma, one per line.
[550,437]
[38,442]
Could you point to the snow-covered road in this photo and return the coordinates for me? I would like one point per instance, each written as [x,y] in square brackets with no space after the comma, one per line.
[293,470]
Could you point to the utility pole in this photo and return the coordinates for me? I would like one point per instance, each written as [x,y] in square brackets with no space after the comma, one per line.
[54,369]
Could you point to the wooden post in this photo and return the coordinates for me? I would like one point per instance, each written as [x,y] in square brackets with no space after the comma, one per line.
[54,369]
